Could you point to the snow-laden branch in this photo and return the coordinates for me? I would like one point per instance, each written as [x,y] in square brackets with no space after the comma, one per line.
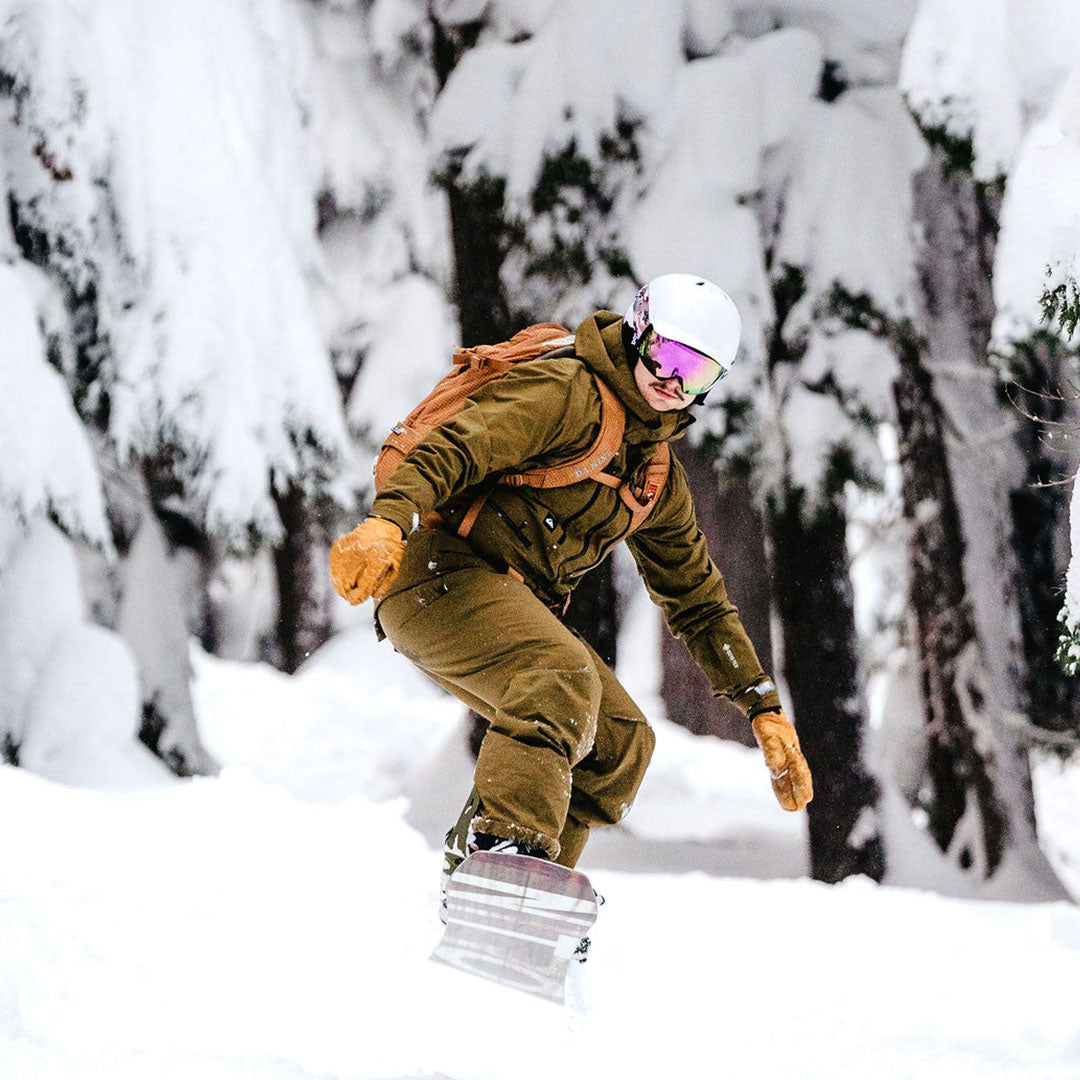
[46,460]
[163,154]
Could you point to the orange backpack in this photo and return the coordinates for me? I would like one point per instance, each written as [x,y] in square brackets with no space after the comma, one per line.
[479,365]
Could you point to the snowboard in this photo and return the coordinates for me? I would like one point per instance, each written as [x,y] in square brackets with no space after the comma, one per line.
[517,921]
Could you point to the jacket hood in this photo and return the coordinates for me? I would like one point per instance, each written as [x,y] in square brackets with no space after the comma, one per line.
[598,342]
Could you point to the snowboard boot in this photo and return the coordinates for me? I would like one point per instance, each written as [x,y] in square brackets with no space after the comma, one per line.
[462,843]
[486,842]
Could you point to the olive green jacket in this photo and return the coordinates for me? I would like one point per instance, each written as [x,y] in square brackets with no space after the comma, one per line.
[548,410]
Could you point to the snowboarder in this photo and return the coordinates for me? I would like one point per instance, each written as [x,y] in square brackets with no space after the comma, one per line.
[478,608]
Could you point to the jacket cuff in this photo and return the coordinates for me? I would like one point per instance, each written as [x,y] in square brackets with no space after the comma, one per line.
[388,511]
[759,698]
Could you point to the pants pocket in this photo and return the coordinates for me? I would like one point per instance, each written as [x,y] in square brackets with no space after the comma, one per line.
[395,613]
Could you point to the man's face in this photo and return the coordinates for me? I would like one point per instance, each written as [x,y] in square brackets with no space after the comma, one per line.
[664,395]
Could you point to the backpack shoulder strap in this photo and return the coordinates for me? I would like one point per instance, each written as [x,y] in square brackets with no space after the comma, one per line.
[587,465]
[643,497]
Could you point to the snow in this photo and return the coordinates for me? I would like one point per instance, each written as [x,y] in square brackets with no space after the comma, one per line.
[70,692]
[367,124]
[957,76]
[872,22]
[707,24]
[276,922]
[509,104]
[981,78]
[1057,806]
[719,165]
[1040,221]
[849,199]
[82,717]
[353,719]
[409,319]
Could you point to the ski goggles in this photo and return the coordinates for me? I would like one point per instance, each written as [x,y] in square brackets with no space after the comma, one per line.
[668,359]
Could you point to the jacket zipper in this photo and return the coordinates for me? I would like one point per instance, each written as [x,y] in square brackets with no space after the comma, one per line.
[585,509]
[602,554]
[511,525]
[619,504]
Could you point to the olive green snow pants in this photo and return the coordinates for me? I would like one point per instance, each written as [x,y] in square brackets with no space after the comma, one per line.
[566,747]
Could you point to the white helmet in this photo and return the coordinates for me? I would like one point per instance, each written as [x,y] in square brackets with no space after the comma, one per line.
[690,310]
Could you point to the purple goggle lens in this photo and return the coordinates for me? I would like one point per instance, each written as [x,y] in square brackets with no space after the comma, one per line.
[668,359]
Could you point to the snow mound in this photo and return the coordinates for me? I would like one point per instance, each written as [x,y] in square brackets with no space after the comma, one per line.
[224,928]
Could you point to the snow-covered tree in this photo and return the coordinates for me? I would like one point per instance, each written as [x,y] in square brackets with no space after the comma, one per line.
[830,388]
[1000,93]
[382,222]
[1036,273]
[221,252]
[176,215]
[973,84]
[48,471]
[669,151]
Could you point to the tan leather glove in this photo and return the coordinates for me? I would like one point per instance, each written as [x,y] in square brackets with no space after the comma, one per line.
[791,780]
[365,562]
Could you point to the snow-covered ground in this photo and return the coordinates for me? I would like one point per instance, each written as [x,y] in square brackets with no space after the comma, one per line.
[275,923]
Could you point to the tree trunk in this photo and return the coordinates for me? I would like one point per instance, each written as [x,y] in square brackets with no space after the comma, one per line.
[157,587]
[592,611]
[814,598]
[1040,512]
[478,232]
[736,537]
[958,771]
[304,621]
[960,463]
